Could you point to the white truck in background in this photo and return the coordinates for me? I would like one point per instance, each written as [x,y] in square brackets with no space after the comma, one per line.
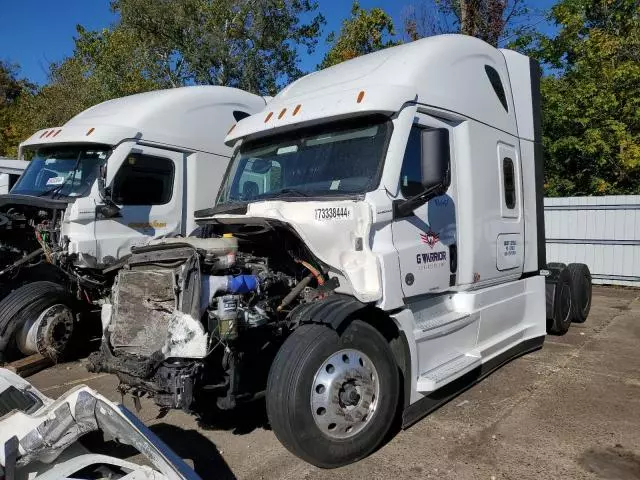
[10,171]
[377,246]
[116,175]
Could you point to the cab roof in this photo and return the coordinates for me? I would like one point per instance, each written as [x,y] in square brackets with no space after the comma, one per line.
[196,118]
[446,71]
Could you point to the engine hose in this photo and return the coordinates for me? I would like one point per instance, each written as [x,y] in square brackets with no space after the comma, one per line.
[22,261]
[316,273]
[295,291]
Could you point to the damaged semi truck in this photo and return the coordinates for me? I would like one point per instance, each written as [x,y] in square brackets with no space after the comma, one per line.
[376,247]
[116,175]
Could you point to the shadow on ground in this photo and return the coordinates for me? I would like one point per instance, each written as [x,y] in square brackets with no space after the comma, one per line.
[614,463]
[244,419]
[187,444]
[192,445]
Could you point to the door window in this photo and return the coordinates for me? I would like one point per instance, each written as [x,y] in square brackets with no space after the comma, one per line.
[144,180]
[411,173]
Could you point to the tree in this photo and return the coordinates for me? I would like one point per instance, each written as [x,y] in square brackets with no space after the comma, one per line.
[493,21]
[591,101]
[11,89]
[105,64]
[363,32]
[248,44]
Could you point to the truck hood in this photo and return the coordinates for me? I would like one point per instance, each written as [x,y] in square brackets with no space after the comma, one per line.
[32,201]
[337,232]
[42,444]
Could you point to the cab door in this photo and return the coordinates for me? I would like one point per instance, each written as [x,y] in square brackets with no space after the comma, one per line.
[426,239]
[148,188]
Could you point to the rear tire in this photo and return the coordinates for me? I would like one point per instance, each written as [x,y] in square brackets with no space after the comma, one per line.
[29,302]
[562,310]
[556,266]
[330,415]
[581,283]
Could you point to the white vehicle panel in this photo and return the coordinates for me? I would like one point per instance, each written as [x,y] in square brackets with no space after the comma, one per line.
[336,231]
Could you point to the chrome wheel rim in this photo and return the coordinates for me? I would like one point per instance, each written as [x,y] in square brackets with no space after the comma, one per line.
[344,394]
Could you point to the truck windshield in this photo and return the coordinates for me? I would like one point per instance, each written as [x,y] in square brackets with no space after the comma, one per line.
[339,158]
[62,170]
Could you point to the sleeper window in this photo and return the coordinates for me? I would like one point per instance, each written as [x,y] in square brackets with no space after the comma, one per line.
[496,83]
[411,173]
[144,180]
[508,176]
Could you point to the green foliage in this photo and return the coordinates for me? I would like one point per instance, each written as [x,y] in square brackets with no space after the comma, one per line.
[591,104]
[104,65]
[161,44]
[11,90]
[364,32]
[495,21]
[239,43]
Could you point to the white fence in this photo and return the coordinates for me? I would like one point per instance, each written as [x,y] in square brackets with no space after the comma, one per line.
[603,232]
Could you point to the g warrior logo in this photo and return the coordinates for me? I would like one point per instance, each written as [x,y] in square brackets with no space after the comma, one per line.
[431,260]
[430,238]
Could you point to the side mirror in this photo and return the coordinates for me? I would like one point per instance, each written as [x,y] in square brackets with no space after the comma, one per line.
[435,164]
[436,158]
[109,209]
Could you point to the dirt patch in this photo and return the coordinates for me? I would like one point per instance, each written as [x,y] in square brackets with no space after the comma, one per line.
[613,463]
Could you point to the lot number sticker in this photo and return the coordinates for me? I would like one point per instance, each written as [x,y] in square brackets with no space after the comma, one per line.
[333,213]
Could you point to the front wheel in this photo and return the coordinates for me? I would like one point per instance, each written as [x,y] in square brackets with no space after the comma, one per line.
[37,317]
[332,398]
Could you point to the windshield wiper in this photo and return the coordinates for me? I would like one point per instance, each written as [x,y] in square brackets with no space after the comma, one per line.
[47,192]
[286,192]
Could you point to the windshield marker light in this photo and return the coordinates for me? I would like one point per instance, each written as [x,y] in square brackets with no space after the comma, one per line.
[44,133]
[268,117]
[90,131]
[56,134]
[49,133]
[297,109]
[231,129]
[284,110]
[360,96]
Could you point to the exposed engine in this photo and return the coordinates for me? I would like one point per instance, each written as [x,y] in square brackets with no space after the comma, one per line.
[195,318]
[29,230]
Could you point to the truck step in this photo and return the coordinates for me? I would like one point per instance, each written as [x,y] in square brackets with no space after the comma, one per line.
[439,376]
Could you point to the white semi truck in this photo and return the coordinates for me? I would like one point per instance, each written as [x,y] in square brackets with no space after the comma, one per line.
[10,171]
[376,247]
[116,175]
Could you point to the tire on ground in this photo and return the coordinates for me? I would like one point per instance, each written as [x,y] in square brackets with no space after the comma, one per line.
[561,313]
[27,302]
[289,393]
[581,288]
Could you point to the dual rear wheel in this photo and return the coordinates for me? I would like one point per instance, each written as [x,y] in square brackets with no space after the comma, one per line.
[568,296]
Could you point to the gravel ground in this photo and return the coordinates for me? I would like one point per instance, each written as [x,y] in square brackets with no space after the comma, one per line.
[568,411]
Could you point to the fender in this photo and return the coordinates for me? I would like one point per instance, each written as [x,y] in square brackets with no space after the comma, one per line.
[331,311]
[334,312]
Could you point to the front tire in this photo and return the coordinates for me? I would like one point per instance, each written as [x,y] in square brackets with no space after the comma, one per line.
[332,398]
[48,304]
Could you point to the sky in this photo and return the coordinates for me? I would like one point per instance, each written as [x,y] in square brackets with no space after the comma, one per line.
[40,32]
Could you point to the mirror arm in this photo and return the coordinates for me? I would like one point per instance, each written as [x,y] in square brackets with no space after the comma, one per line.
[405,208]
[109,209]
